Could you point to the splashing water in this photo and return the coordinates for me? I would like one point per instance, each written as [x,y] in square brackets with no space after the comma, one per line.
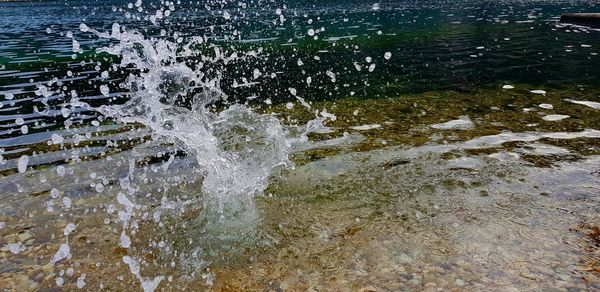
[235,147]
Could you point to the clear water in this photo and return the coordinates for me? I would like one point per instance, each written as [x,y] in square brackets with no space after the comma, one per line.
[337,145]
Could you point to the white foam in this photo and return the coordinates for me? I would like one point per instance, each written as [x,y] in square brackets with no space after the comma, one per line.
[366,127]
[552,118]
[463,123]
[592,104]
[538,91]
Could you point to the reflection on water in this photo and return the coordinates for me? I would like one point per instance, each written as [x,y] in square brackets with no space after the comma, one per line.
[460,147]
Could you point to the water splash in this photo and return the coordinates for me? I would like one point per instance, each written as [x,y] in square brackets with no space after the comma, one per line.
[236,148]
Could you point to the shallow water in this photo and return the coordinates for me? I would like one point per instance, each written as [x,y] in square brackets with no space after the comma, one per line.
[460,147]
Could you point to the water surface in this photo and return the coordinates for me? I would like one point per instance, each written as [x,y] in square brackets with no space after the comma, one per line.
[459,148]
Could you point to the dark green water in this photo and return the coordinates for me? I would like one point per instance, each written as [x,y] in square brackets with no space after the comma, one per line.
[435,45]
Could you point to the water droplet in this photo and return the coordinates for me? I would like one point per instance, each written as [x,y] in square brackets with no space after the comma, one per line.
[22,163]
[54,193]
[104,90]
[67,202]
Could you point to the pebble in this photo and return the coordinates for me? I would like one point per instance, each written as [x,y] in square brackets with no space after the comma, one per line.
[24,236]
[404,258]
[38,276]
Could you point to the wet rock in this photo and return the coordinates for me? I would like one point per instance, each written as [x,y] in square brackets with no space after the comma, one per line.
[21,282]
[24,236]
[6,267]
[404,258]
[37,275]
